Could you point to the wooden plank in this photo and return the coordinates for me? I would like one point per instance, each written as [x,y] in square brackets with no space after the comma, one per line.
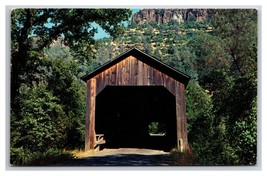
[140,73]
[88,104]
[162,78]
[173,85]
[123,82]
[117,75]
[178,116]
[184,129]
[107,77]
[131,68]
[113,75]
[167,83]
[107,74]
[145,77]
[90,115]
[155,77]
[135,71]
[148,69]
[100,79]
[164,81]
[158,80]
[125,73]
[110,76]
[150,74]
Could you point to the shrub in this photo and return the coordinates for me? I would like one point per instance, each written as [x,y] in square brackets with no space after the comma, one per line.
[24,157]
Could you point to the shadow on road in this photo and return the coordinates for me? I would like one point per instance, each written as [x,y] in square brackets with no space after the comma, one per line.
[123,160]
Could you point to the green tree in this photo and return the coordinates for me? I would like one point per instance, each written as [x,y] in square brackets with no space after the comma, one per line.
[66,91]
[47,97]
[239,33]
[200,119]
[146,44]
[64,83]
[34,29]
[210,56]
[238,30]
[182,58]
[39,126]
[227,67]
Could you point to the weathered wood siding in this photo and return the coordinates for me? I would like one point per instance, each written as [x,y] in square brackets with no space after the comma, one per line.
[133,72]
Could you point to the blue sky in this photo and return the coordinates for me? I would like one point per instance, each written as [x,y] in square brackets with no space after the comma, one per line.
[101,33]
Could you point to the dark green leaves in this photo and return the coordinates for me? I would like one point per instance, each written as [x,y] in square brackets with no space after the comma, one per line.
[40,124]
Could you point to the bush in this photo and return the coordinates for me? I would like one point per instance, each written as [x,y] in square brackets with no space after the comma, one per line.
[50,157]
[24,157]
[19,156]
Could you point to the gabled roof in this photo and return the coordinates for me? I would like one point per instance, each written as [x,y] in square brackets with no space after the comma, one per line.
[149,60]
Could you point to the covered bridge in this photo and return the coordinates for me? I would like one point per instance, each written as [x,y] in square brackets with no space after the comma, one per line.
[128,95]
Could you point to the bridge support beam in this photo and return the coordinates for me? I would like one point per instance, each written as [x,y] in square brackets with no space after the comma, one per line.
[182,141]
[90,115]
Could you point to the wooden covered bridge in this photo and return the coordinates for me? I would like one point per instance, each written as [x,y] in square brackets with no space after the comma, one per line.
[129,93]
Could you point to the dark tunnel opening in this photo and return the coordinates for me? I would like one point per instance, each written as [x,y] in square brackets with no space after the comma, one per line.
[136,117]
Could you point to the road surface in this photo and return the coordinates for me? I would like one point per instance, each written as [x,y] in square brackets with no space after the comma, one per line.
[124,157]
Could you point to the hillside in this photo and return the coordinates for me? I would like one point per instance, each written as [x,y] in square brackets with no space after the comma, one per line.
[162,41]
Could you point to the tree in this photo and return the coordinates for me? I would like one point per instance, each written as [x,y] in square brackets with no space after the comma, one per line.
[42,116]
[201,129]
[233,82]
[34,29]
[210,56]
[153,23]
[238,30]
[47,96]
[63,83]
[39,126]
[51,114]
[146,44]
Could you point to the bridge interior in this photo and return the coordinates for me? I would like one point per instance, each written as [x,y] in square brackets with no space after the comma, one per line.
[125,114]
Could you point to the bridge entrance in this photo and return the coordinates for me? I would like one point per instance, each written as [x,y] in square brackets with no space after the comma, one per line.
[136,117]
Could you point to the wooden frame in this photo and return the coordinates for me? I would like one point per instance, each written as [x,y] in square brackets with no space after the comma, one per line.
[135,68]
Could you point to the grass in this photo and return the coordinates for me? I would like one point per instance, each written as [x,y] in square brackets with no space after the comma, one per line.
[81,153]
[49,158]
[54,157]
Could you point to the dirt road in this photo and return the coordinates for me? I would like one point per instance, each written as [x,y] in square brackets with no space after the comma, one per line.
[124,157]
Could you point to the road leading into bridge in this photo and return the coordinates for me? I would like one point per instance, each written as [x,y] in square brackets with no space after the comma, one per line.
[124,157]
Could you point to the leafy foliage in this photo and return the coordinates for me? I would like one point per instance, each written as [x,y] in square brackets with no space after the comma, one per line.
[40,125]
[34,29]
[50,49]
[238,30]
[60,98]
[157,128]
[200,123]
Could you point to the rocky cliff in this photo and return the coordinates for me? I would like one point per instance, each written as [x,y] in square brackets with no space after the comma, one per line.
[162,16]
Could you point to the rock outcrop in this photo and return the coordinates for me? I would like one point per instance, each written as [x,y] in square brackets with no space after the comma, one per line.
[162,16]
